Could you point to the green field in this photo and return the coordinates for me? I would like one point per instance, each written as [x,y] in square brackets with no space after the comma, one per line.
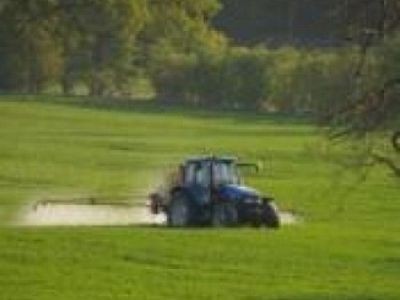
[347,247]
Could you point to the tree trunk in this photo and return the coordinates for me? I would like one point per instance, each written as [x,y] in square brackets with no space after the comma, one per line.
[99,57]
[396,141]
[67,78]
[67,84]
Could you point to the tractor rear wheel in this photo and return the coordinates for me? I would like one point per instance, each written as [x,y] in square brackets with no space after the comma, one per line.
[179,212]
[224,215]
[270,215]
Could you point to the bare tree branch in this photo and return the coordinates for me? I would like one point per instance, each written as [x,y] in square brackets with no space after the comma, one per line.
[388,163]
[377,108]
[396,141]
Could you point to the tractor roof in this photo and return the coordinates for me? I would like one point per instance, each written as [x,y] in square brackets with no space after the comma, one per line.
[226,159]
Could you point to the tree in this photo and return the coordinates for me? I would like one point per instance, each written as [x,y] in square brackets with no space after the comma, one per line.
[89,41]
[177,35]
[185,24]
[373,105]
[29,53]
[98,39]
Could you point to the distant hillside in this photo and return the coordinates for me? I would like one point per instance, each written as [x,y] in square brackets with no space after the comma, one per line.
[277,22]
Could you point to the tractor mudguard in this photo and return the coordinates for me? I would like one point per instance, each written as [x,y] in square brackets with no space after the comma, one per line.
[236,192]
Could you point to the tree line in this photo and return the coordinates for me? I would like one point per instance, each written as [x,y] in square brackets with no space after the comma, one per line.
[101,44]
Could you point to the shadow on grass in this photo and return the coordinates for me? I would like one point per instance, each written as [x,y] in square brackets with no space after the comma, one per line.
[155,107]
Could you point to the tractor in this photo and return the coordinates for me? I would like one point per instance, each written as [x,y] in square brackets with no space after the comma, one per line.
[208,191]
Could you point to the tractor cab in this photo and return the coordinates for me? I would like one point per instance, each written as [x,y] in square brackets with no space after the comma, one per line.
[210,172]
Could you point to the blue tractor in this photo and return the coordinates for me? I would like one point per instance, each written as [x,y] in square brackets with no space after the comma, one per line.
[209,191]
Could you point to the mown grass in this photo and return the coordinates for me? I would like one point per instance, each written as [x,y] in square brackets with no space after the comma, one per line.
[348,246]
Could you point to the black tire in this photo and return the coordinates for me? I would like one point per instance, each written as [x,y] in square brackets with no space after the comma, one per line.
[270,215]
[180,211]
[224,215]
[257,221]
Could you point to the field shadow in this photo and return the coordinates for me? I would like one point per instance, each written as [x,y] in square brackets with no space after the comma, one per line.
[152,106]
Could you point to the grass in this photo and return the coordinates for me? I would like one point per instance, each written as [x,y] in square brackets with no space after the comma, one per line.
[347,248]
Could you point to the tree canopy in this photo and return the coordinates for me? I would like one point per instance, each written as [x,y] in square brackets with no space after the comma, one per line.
[96,42]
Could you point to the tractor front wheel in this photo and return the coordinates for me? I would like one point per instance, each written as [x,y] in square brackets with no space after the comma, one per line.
[270,215]
[224,215]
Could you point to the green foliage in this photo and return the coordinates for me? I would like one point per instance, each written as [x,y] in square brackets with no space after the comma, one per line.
[101,35]
[311,80]
[46,41]
[235,78]
[243,78]
[30,56]
[174,38]
[102,44]
[286,80]
[183,25]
